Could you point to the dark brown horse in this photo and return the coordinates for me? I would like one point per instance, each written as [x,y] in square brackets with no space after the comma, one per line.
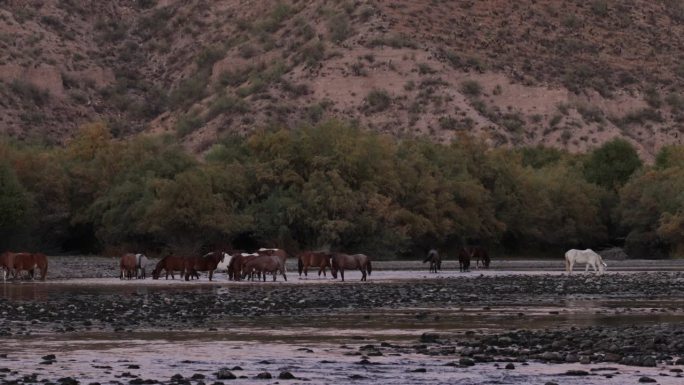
[434,259]
[320,259]
[207,262]
[480,254]
[169,264]
[341,261]
[30,262]
[128,265]
[464,255]
[236,265]
[264,264]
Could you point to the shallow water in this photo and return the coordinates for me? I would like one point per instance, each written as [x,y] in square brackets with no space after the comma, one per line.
[317,347]
[106,357]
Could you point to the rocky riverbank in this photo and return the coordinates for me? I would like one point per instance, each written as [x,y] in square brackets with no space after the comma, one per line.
[631,320]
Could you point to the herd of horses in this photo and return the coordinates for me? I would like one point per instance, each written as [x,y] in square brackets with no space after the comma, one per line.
[465,255]
[244,266]
[257,265]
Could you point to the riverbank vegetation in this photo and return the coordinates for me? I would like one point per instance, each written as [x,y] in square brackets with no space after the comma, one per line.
[335,186]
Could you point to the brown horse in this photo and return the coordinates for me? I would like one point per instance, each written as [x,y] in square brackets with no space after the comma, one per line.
[434,259]
[320,259]
[236,265]
[128,266]
[264,264]
[280,253]
[464,255]
[7,264]
[30,262]
[480,254]
[342,261]
[207,262]
[169,264]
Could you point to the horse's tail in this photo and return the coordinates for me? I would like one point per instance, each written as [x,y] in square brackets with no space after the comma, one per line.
[567,262]
[369,267]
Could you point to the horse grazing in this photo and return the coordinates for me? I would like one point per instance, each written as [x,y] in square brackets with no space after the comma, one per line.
[342,261]
[480,255]
[264,264]
[128,266]
[207,262]
[320,259]
[169,264]
[464,256]
[434,259]
[588,256]
[30,262]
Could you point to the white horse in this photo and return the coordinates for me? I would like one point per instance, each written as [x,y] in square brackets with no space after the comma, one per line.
[223,265]
[588,256]
[141,262]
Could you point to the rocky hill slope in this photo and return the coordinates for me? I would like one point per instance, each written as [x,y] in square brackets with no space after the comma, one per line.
[570,74]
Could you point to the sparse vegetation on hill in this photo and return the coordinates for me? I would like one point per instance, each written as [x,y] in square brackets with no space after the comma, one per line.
[494,70]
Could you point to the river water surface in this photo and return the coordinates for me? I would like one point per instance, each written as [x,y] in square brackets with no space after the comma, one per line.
[319,348]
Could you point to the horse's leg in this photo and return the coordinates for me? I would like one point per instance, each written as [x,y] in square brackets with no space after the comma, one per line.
[342,274]
[211,273]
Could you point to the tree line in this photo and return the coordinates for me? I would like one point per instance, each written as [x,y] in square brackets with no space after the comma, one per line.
[335,186]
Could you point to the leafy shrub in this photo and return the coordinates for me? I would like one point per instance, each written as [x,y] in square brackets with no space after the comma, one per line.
[226,104]
[188,124]
[599,8]
[590,113]
[394,41]
[30,92]
[339,27]
[471,88]
[377,101]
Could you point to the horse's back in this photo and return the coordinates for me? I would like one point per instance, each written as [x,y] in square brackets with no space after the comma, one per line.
[128,261]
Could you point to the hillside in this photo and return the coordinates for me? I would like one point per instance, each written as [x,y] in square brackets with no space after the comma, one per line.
[570,74]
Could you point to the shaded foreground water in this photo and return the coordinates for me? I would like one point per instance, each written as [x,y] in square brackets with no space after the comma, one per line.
[452,330]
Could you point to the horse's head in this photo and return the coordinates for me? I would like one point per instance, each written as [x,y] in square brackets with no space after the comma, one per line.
[602,266]
[156,271]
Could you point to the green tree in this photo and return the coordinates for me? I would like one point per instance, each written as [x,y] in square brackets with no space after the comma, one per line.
[612,164]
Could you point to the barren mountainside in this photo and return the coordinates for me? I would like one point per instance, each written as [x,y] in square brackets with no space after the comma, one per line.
[569,74]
